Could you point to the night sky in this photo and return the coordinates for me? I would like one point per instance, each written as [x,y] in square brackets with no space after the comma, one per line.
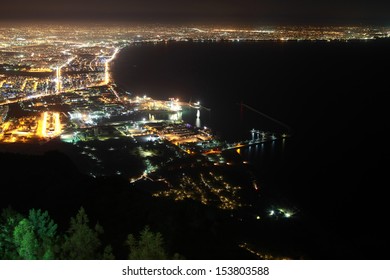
[202,11]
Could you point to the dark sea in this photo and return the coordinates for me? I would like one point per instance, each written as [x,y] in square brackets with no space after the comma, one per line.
[331,96]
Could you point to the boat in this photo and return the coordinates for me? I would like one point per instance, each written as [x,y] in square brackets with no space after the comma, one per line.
[195,105]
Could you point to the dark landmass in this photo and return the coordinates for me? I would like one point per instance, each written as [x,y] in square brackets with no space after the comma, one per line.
[52,182]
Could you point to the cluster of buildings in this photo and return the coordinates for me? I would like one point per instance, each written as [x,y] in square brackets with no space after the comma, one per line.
[55,81]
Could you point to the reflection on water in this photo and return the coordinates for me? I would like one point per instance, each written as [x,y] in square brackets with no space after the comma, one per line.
[265,154]
[261,154]
[197,122]
[176,116]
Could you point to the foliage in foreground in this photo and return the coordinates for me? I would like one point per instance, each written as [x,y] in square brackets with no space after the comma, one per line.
[35,237]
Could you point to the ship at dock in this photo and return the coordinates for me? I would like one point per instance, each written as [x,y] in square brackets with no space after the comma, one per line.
[195,105]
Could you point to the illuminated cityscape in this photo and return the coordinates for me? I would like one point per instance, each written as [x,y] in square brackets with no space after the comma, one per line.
[42,67]
[57,91]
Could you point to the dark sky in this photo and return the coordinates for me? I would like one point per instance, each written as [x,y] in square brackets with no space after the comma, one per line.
[197,11]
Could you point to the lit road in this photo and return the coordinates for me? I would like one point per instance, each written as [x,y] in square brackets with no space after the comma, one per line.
[58,87]
[107,78]
[58,79]
[27,98]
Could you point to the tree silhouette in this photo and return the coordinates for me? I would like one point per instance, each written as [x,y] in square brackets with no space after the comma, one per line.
[45,231]
[8,221]
[108,254]
[28,238]
[81,241]
[26,241]
[35,236]
[148,247]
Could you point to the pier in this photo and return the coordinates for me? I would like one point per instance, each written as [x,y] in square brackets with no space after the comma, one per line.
[258,137]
